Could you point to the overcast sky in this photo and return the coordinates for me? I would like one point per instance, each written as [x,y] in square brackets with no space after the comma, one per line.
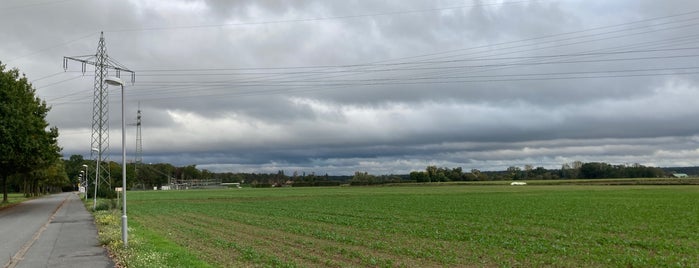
[381,86]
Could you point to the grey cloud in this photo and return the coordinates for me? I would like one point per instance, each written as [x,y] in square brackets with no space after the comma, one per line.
[474,114]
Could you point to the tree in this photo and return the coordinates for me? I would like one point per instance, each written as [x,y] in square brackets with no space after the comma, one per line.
[51,179]
[475,174]
[363,178]
[74,166]
[431,173]
[25,143]
[419,176]
[595,170]
[190,173]
[456,174]
[514,172]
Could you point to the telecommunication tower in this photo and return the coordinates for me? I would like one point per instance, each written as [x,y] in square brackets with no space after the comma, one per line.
[100,105]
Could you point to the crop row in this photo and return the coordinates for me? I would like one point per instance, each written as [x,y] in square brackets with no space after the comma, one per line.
[430,226]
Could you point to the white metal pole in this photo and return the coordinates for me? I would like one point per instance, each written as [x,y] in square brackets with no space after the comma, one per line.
[97,176]
[87,181]
[124,223]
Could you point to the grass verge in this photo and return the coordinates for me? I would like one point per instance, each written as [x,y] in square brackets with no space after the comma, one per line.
[146,248]
[13,199]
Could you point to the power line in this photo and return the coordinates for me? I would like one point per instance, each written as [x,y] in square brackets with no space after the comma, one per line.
[47,76]
[39,51]
[314,75]
[323,69]
[285,88]
[59,82]
[547,76]
[370,68]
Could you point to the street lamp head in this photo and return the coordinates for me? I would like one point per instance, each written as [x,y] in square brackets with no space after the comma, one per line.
[114,81]
[84,166]
[95,150]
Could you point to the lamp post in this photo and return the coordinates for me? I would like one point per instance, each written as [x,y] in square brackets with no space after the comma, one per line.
[97,177]
[80,178]
[115,81]
[86,181]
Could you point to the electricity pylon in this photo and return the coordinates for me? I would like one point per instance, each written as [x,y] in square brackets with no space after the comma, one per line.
[139,145]
[100,105]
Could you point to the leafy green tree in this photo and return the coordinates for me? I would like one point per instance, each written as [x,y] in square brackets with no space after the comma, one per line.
[51,179]
[419,176]
[74,166]
[363,178]
[25,142]
[475,175]
[515,173]
[189,173]
[431,173]
[596,170]
[456,174]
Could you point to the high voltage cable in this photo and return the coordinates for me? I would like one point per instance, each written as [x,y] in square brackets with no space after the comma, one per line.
[273,91]
[448,67]
[587,30]
[598,39]
[520,41]
[285,82]
[72,94]
[421,81]
[39,51]
[59,82]
[584,41]
[179,72]
[557,35]
[539,63]
[48,76]
[387,62]
[559,45]
[548,36]
[390,80]
[269,81]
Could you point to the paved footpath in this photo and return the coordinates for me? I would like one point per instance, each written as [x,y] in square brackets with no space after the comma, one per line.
[53,231]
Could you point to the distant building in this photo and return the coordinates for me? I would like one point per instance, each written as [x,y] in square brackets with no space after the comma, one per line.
[679,175]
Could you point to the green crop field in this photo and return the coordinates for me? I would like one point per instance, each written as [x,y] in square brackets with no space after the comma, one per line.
[421,226]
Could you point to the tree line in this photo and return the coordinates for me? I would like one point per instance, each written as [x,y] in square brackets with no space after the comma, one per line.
[148,176]
[575,170]
[29,151]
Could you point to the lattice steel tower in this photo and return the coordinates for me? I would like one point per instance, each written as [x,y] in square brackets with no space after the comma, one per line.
[139,145]
[100,105]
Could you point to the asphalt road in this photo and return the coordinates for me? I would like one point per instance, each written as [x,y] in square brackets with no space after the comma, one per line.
[53,231]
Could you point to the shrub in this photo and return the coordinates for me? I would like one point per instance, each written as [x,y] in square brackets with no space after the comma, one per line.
[106,204]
